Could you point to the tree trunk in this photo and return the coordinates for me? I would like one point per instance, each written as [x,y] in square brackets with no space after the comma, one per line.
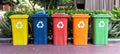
[50,4]
[75,4]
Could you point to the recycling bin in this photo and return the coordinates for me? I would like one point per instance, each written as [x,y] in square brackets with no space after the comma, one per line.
[60,24]
[19,29]
[80,29]
[40,27]
[100,25]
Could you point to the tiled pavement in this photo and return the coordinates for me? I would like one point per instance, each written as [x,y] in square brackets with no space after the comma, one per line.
[7,48]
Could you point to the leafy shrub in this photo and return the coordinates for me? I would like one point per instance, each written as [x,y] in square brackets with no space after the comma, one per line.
[78,11]
[114,24]
[114,29]
[116,12]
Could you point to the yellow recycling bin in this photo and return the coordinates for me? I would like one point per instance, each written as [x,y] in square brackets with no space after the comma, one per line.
[19,29]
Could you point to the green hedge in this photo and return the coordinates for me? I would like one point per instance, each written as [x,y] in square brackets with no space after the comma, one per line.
[78,11]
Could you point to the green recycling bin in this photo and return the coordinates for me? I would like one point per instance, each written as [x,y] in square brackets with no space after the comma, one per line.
[100,24]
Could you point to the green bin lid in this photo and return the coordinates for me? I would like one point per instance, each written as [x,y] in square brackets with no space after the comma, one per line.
[101,15]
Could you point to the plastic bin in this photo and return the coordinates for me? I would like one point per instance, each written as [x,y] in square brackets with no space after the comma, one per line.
[80,29]
[100,25]
[60,24]
[40,27]
[19,29]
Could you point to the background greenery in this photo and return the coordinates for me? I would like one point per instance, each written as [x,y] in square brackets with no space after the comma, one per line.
[114,24]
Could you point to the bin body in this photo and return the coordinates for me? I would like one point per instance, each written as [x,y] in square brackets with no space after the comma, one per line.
[40,28]
[60,24]
[101,29]
[80,29]
[19,29]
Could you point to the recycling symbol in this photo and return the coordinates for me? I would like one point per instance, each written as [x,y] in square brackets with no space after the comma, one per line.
[101,24]
[40,24]
[60,24]
[81,24]
[19,25]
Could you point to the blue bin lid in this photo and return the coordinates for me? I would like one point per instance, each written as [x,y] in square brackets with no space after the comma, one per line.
[40,14]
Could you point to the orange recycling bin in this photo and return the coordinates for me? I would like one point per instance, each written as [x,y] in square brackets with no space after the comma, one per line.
[60,22]
[80,28]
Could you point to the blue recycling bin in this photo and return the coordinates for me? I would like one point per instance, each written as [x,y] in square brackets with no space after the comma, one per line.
[40,27]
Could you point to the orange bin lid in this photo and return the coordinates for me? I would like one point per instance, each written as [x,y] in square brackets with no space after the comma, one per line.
[80,15]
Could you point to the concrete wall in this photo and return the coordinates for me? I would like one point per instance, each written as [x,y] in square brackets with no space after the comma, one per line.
[99,4]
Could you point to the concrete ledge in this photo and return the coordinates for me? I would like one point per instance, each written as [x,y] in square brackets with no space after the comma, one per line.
[111,40]
[5,40]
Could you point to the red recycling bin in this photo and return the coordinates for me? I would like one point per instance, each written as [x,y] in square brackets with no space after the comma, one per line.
[60,22]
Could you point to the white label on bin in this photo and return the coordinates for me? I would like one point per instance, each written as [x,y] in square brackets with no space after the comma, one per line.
[19,25]
[40,24]
[81,24]
[60,24]
[101,24]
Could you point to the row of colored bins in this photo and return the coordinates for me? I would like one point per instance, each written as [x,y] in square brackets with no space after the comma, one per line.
[60,26]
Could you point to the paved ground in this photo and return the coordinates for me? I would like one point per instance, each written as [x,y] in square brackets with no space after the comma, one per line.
[7,48]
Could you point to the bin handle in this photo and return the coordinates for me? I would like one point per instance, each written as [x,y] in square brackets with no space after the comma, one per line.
[81,24]
[101,24]
[60,24]
[40,26]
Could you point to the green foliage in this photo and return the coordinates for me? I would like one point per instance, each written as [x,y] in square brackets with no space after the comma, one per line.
[78,11]
[116,12]
[66,1]
[5,27]
[114,29]
[114,24]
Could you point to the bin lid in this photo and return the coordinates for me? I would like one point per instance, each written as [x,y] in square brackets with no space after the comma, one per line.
[60,15]
[80,15]
[101,15]
[18,16]
[40,14]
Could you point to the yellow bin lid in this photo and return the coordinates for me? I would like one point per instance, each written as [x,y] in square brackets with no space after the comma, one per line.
[19,16]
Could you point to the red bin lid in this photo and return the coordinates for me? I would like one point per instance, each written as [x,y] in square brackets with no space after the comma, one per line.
[60,15]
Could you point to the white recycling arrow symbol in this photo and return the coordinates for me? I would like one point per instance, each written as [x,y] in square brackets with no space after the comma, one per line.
[40,24]
[81,24]
[101,24]
[19,25]
[60,24]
